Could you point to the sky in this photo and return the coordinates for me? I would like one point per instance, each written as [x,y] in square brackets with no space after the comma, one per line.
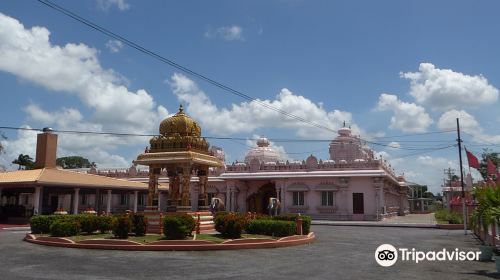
[398,72]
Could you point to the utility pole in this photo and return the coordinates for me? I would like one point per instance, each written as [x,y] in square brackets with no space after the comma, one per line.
[461,176]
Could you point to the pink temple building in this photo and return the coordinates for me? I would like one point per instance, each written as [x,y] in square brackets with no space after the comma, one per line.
[351,185]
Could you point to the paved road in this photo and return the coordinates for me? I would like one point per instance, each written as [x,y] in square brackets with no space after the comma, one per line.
[411,219]
[339,253]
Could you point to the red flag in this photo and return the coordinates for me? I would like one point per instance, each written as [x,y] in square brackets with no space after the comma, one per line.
[492,169]
[473,162]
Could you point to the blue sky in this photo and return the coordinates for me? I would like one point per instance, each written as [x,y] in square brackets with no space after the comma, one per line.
[386,67]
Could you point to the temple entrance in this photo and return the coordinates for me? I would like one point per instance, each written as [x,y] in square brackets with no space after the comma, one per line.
[358,204]
[259,201]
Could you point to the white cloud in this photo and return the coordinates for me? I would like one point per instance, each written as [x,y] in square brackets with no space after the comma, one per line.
[105,5]
[247,117]
[114,46]
[75,69]
[394,145]
[228,33]
[448,121]
[444,89]
[408,117]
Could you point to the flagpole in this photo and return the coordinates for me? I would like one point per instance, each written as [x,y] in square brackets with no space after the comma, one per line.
[459,140]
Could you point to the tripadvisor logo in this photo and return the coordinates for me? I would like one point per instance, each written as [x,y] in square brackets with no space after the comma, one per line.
[387,255]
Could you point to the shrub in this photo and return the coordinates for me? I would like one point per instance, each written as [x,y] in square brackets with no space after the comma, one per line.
[88,223]
[42,223]
[63,228]
[121,226]
[448,216]
[306,220]
[178,226]
[271,227]
[230,225]
[139,224]
[104,223]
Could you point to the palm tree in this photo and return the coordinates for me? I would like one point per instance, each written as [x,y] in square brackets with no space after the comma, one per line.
[24,160]
[487,212]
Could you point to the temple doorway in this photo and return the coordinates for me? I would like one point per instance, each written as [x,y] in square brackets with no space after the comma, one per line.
[258,201]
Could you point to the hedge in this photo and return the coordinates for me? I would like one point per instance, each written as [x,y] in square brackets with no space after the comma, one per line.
[230,225]
[63,228]
[271,227]
[88,223]
[121,226]
[306,220]
[105,223]
[139,224]
[178,226]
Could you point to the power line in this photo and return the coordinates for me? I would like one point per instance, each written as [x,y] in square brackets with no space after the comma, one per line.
[414,134]
[278,140]
[425,152]
[177,65]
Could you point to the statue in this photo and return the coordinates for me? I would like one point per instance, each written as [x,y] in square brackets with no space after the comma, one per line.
[216,205]
[274,206]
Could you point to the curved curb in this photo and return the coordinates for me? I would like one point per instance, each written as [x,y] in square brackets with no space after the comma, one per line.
[174,245]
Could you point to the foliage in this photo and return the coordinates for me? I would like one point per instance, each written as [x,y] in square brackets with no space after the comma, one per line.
[42,223]
[88,223]
[487,211]
[178,226]
[493,156]
[447,215]
[271,227]
[104,223]
[72,162]
[230,225]
[121,226]
[139,224]
[63,228]
[306,221]
[24,160]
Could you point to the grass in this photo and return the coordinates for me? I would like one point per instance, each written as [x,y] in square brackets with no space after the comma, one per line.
[148,238]
[217,238]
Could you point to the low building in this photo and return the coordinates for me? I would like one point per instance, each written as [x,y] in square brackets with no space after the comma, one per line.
[47,189]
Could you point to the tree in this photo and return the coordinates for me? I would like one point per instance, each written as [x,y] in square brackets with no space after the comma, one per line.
[488,154]
[72,162]
[24,161]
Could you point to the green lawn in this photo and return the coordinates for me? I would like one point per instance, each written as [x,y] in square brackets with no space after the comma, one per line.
[148,238]
[217,238]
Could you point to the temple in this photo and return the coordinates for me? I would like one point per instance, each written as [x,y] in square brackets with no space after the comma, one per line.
[180,171]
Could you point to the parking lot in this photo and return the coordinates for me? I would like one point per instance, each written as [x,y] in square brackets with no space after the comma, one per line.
[340,252]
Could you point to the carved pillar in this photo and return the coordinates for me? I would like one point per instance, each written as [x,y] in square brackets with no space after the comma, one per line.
[202,191]
[185,197]
[153,187]
[173,191]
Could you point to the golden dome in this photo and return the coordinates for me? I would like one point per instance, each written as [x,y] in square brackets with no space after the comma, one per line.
[180,124]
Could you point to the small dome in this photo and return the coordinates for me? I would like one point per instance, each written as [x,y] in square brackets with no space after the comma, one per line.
[181,124]
[263,153]
[263,142]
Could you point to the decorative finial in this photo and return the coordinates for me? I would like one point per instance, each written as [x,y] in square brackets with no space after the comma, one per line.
[181,109]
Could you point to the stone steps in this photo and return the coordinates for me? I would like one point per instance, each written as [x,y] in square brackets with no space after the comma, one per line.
[206,222]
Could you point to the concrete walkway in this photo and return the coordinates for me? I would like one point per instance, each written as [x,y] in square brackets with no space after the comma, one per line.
[410,220]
